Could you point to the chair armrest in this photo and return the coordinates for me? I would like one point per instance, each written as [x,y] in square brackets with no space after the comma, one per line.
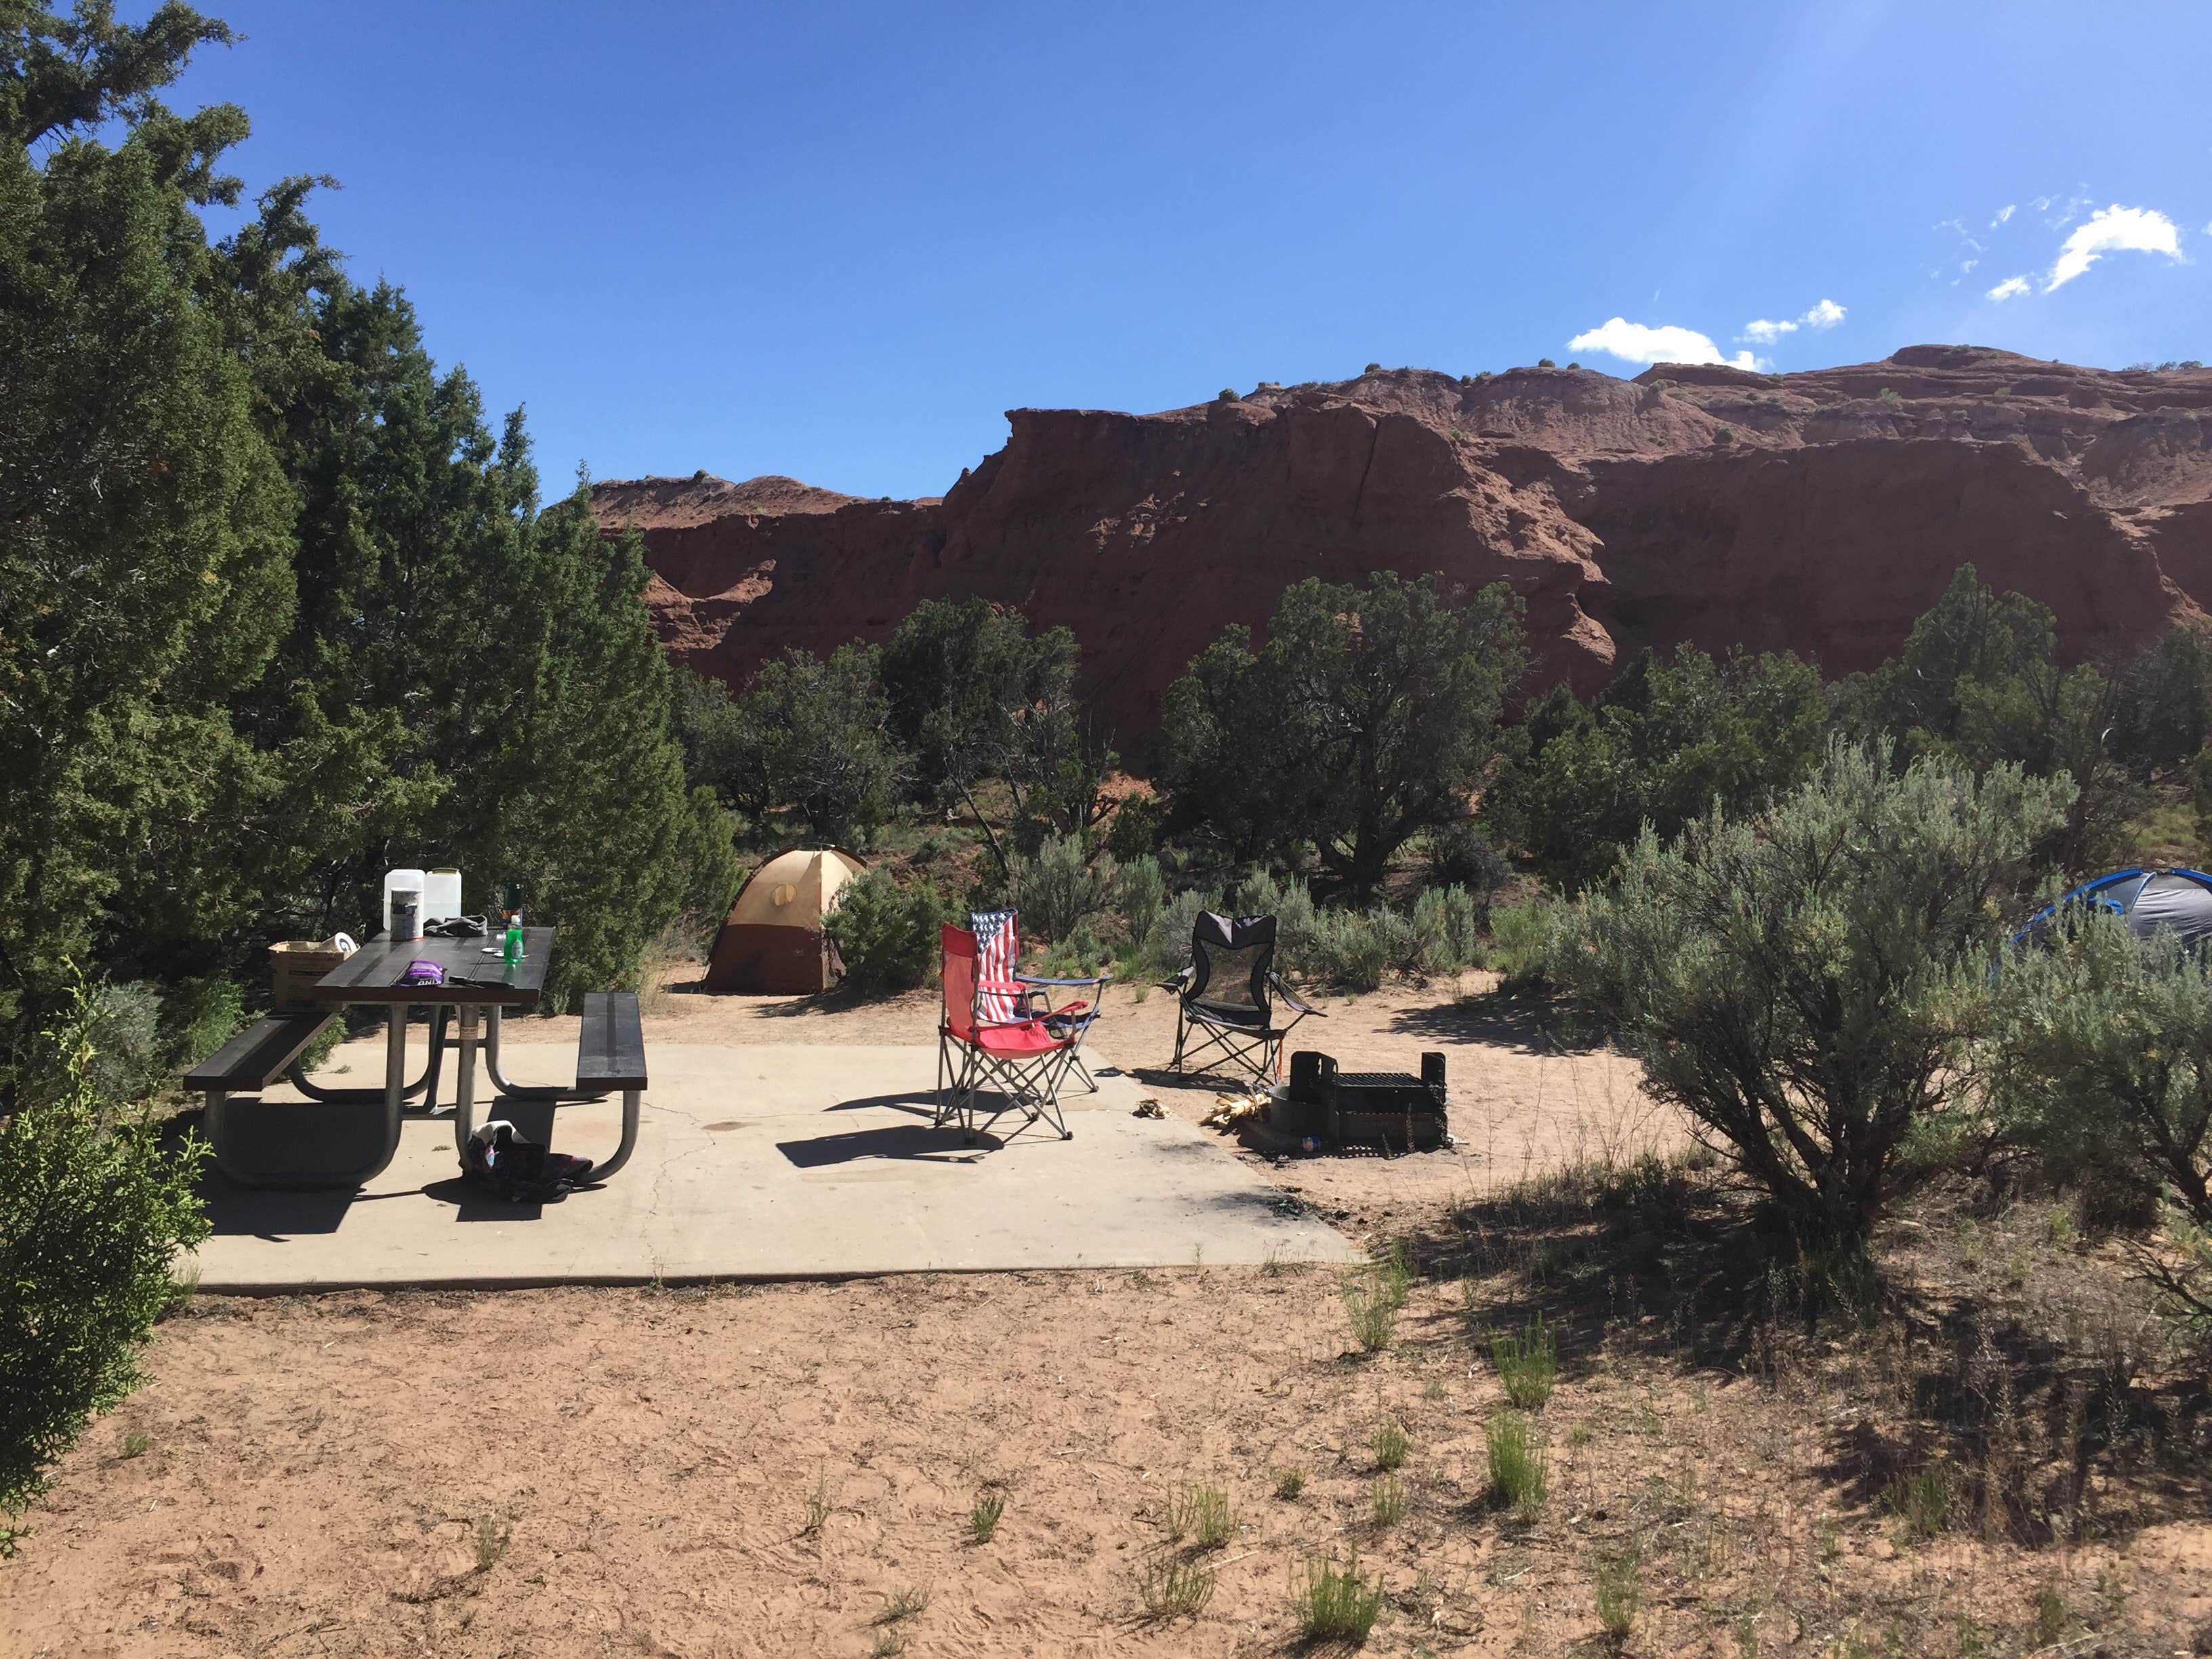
[1177,983]
[1095,979]
[1291,997]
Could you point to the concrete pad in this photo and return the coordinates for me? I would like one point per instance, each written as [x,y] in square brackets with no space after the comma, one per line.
[771,1161]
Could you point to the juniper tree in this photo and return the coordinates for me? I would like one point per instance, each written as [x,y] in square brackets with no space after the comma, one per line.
[1368,717]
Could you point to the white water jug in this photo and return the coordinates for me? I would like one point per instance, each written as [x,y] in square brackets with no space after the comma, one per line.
[403,881]
[442,895]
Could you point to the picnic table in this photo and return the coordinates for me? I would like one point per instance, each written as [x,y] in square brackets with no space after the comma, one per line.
[347,1137]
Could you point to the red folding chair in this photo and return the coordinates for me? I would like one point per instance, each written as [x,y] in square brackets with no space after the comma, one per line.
[987,1037]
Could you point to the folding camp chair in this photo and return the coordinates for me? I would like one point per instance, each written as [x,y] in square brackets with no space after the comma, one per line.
[1228,996]
[1028,996]
[985,1038]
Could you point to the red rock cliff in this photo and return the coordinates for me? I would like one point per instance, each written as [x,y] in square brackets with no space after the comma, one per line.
[1819,512]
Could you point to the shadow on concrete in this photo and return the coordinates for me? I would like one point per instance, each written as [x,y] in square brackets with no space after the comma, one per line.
[923,1101]
[915,1142]
[275,1214]
[473,1202]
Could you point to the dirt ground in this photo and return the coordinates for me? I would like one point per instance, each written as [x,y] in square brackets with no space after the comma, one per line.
[795,1469]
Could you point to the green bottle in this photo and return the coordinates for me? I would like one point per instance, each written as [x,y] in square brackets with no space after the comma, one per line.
[513,909]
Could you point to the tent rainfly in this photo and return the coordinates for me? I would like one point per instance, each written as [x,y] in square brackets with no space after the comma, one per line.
[773,941]
[2147,900]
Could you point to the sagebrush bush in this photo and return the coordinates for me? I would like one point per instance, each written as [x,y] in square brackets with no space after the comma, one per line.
[1810,981]
[2102,1069]
[1062,886]
[1167,942]
[1346,951]
[1292,908]
[1141,892]
[92,1211]
[1520,941]
[1447,923]
[886,933]
[124,1036]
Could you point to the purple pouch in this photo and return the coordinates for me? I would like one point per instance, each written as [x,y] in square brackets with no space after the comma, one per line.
[423,973]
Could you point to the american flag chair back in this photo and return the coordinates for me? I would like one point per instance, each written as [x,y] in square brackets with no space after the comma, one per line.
[997,945]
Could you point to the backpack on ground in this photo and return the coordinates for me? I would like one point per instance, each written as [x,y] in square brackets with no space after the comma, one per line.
[520,1170]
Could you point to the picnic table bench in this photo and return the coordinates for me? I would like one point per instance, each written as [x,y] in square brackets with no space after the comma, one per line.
[347,1137]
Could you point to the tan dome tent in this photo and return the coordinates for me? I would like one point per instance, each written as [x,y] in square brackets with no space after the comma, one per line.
[773,941]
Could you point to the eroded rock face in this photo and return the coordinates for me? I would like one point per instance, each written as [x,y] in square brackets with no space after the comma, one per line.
[1819,512]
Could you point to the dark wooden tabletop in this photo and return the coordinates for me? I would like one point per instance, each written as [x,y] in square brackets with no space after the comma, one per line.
[372,974]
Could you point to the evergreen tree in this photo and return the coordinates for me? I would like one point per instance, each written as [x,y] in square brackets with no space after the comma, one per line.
[466,679]
[1368,717]
[144,522]
[1661,744]
[1977,683]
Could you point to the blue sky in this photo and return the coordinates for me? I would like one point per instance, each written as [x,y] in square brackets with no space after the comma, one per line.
[838,240]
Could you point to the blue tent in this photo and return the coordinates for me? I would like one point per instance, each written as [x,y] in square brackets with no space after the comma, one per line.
[2148,900]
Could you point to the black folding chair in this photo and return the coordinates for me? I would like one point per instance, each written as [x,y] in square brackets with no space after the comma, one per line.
[1228,997]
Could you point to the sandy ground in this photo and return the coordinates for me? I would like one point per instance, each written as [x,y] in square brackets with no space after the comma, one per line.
[770,1471]
[792,1469]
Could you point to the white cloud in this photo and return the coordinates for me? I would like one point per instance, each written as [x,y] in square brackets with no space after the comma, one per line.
[1765,332]
[2011,288]
[2113,230]
[1635,343]
[2003,214]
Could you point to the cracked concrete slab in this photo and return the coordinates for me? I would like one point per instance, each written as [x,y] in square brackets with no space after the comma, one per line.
[771,1161]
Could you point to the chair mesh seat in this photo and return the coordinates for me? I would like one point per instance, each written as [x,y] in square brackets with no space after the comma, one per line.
[1228,994]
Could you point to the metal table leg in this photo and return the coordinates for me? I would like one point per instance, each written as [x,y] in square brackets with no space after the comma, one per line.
[465,1080]
[424,1087]
[631,1099]
[507,1091]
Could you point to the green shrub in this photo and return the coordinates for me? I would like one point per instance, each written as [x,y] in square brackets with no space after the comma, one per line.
[1389,1443]
[1814,978]
[1545,362]
[1339,1604]
[1202,1513]
[1060,887]
[1446,922]
[92,1211]
[1528,1364]
[1141,894]
[887,934]
[1346,951]
[1520,1473]
[1921,1501]
[1077,955]
[2103,1069]
[199,1016]
[1387,1497]
[1619,1588]
[1292,908]
[125,1039]
[1174,1588]
[1167,942]
[1520,941]
[1135,831]
[1459,853]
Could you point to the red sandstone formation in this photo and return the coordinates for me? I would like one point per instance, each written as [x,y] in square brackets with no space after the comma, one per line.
[1819,512]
